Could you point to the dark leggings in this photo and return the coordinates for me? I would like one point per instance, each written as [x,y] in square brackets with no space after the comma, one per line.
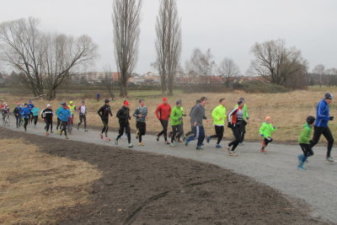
[164,124]
[18,121]
[49,124]
[266,141]
[25,123]
[83,119]
[63,128]
[176,132]
[219,131]
[35,119]
[58,124]
[141,127]
[105,128]
[237,131]
[124,126]
[318,131]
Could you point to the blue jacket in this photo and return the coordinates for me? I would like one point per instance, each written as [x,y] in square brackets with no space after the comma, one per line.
[64,115]
[25,112]
[322,114]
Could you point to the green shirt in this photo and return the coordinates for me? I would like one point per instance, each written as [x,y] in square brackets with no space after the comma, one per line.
[305,135]
[219,115]
[176,117]
[267,129]
[244,111]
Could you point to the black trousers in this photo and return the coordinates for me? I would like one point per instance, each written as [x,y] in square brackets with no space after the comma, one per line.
[243,132]
[164,124]
[58,124]
[105,128]
[141,127]
[123,126]
[307,150]
[237,132]
[83,119]
[26,120]
[63,128]
[18,121]
[266,141]
[219,132]
[177,132]
[49,125]
[318,131]
[35,119]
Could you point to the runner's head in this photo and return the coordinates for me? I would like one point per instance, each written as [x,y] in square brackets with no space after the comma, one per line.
[165,100]
[240,104]
[83,102]
[49,106]
[71,102]
[106,101]
[242,99]
[328,97]
[310,120]
[126,103]
[203,101]
[197,101]
[25,105]
[64,105]
[222,101]
[179,102]
[141,102]
[268,119]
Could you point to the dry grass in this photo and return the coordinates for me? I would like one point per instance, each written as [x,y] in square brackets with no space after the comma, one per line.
[33,184]
[288,110]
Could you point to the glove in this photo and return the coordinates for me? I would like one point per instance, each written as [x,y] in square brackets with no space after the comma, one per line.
[331,118]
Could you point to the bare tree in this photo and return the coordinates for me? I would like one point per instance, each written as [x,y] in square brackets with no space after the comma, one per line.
[168,44]
[228,69]
[21,47]
[281,65]
[108,81]
[320,71]
[201,64]
[125,20]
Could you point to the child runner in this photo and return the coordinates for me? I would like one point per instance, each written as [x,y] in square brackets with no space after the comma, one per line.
[25,113]
[266,131]
[47,116]
[35,113]
[82,109]
[104,112]
[162,113]
[176,119]
[123,116]
[219,115]
[236,123]
[304,141]
[140,114]
[64,116]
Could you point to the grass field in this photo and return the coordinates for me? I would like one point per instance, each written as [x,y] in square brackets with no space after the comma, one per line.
[288,110]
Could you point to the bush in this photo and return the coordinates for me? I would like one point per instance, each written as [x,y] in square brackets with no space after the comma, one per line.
[257,86]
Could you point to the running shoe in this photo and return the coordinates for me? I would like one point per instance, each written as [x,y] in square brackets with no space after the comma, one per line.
[199,147]
[130,145]
[208,139]
[330,159]
[116,141]
[140,144]
[301,166]
[233,154]
[218,146]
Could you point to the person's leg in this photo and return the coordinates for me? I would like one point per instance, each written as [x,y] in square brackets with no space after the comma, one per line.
[237,135]
[219,133]
[327,134]
[174,133]
[128,132]
[121,131]
[85,122]
[35,120]
[26,123]
[65,124]
[80,122]
[193,136]
[165,129]
[317,134]
[201,136]
[180,132]
[243,132]
[51,126]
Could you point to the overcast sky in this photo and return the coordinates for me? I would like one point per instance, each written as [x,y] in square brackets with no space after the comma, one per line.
[228,27]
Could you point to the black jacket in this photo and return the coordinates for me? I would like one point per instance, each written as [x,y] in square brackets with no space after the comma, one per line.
[123,115]
[104,112]
[47,114]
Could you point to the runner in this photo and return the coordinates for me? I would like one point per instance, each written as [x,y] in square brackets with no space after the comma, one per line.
[5,114]
[197,117]
[321,125]
[30,106]
[304,142]
[176,120]
[123,116]
[236,123]
[140,114]
[219,115]
[82,109]
[266,131]
[57,112]
[104,112]
[72,109]
[162,113]
[64,115]
[17,114]
[245,118]
[35,113]
[25,114]
[47,116]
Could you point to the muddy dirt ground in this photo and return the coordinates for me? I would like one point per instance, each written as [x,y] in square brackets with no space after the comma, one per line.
[148,189]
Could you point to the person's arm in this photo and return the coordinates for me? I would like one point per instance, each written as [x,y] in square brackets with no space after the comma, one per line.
[157,112]
[100,111]
[136,113]
[262,129]
[320,111]
[145,112]
[110,112]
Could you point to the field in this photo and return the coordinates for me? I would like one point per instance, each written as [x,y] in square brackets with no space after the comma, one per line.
[49,181]
[288,110]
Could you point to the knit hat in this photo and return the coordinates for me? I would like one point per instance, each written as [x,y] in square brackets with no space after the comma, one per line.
[48,105]
[328,96]
[164,99]
[126,103]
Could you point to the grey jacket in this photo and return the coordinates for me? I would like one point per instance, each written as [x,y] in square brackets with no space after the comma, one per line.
[143,112]
[197,115]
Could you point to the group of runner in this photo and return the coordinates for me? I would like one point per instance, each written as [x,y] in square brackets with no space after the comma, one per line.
[236,120]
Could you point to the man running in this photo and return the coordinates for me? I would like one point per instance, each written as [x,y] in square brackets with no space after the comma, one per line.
[17,114]
[123,116]
[162,113]
[140,114]
[219,115]
[104,112]
[321,125]
[176,120]
[64,116]
[47,116]
[82,109]
[25,114]
[197,117]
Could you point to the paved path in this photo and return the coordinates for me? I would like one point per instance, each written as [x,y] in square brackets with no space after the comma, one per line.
[317,186]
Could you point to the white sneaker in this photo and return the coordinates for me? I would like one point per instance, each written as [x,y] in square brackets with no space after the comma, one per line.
[130,145]
[330,159]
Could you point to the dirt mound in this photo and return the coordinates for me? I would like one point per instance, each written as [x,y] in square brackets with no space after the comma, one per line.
[146,189]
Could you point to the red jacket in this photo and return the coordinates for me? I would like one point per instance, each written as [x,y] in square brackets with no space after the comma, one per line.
[163,112]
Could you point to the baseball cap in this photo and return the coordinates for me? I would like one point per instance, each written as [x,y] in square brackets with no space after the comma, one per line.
[328,96]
